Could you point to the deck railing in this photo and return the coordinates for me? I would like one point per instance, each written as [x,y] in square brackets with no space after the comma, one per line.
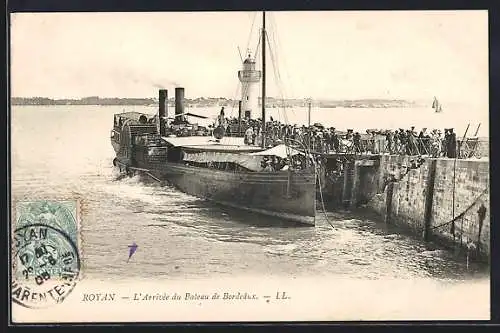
[469,148]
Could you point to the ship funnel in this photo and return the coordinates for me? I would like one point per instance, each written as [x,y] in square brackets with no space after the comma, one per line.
[179,104]
[162,111]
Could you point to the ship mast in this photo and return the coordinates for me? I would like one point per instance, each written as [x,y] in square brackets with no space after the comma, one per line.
[263,79]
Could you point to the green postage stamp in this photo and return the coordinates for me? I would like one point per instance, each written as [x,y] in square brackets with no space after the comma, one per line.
[46,252]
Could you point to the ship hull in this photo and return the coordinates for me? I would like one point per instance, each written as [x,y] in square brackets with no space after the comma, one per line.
[289,196]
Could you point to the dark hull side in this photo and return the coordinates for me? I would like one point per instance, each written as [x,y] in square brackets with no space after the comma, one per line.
[289,196]
[266,193]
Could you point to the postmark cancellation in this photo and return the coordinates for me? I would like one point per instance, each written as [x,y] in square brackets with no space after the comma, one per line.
[46,252]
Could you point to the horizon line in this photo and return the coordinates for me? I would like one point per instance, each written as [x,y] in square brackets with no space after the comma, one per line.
[229,98]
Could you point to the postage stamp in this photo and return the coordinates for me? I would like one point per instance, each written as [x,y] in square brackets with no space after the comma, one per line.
[45,252]
[60,214]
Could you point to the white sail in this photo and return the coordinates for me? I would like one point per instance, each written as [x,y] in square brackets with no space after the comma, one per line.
[436,105]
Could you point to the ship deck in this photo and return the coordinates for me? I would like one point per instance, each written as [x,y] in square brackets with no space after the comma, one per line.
[208,143]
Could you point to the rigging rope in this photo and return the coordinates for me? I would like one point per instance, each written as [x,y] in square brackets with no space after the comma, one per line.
[278,80]
[246,50]
[251,30]
[257,47]
[280,87]
[285,64]
[276,75]
[234,98]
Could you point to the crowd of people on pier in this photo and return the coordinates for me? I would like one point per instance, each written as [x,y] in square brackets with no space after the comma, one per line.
[320,139]
[326,140]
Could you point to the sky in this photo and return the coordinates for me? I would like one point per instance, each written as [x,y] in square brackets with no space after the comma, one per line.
[329,54]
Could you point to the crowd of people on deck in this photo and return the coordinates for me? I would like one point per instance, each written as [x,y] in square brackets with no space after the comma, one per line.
[275,163]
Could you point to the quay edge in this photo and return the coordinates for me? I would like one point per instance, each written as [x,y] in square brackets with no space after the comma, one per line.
[443,199]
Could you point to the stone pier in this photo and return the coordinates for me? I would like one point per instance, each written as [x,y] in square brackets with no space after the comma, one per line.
[444,199]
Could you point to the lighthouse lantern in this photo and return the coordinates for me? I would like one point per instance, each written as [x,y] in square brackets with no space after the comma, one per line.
[249,78]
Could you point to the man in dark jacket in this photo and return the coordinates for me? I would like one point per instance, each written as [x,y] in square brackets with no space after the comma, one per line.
[452,144]
[335,140]
[357,142]
[446,142]
[422,142]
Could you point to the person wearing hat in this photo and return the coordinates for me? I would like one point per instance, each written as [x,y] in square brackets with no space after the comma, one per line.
[412,141]
[422,142]
[389,142]
[443,139]
[357,142]
[406,142]
[321,140]
[399,136]
[427,140]
[446,143]
[335,140]
[349,134]
[249,136]
[434,143]
[269,166]
[326,140]
[285,165]
[452,144]
[221,119]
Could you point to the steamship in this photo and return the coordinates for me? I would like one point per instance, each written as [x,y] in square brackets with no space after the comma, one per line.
[221,169]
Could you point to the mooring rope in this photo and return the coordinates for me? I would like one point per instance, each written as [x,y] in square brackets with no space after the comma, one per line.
[144,171]
[155,178]
[461,215]
[321,194]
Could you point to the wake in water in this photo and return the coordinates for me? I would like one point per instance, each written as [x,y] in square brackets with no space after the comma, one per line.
[357,245]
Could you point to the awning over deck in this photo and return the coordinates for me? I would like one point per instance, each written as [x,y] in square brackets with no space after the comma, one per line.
[282,151]
[253,163]
[208,143]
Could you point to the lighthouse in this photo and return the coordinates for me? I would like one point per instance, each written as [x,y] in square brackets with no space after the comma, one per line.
[249,78]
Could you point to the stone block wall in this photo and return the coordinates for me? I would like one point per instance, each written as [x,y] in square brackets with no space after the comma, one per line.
[408,198]
[459,188]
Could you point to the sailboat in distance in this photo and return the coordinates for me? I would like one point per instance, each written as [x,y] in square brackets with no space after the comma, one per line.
[436,105]
[271,179]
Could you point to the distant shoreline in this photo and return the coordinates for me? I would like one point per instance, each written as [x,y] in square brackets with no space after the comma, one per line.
[216,102]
